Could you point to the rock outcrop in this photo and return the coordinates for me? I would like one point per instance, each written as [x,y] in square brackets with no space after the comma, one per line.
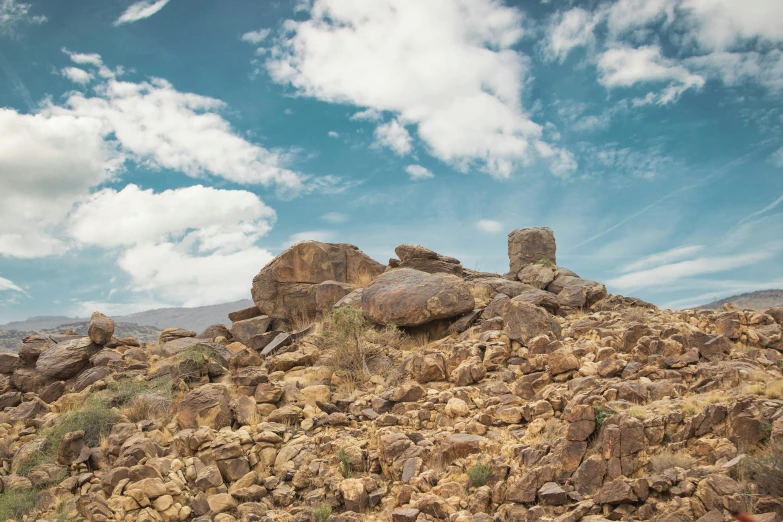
[531,245]
[286,288]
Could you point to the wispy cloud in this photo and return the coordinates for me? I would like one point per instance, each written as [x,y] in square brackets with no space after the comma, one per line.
[310,235]
[6,285]
[764,210]
[255,37]
[662,258]
[490,226]
[670,273]
[335,217]
[140,10]
[417,172]
[14,14]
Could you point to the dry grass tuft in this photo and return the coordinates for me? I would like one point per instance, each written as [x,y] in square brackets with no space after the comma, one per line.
[667,459]
[765,468]
[350,341]
[544,433]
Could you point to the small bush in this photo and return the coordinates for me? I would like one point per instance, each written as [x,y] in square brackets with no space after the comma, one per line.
[142,400]
[766,468]
[479,473]
[601,414]
[344,464]
[14,504]
[322,513]
[351,341]
[545,262]
[667,459]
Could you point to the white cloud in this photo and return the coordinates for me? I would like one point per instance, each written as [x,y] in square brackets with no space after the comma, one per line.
[490,226]
[47,162]
[77,75]
[417,172]
[6,285]
[86,308]
[661,258]
[203,219]
[650,163]
[445,67]
[334,134]
[764,210]
[567,30]
[335,217]
[368,115]
[394,136]
[191,246]
[626,66]
[255,37]
[625,16]
[736,68]
[722,24]
[671,273]
[310,235]
[777,157]
[14,14]
[140,10]
[161,127]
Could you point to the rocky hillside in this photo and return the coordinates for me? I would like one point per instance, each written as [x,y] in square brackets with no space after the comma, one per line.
[11,340]
[416,391]
[760,300]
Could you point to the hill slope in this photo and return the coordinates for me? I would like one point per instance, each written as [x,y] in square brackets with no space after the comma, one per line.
[758,300]
[11,340]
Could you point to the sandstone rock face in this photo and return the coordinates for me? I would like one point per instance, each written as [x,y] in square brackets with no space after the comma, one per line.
[208,405]
[64,360]
[530,245]
[101,329]
[244,331]
[523,321]
[287,285]
[330,292]
[407,297]
[424,259]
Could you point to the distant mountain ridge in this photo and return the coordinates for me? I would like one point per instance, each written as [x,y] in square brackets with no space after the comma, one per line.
[196,319]
[759,300]
[11,340]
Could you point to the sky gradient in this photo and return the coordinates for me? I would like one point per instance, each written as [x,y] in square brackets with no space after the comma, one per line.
[159,153]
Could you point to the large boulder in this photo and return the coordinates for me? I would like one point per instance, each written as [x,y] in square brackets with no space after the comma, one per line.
[531,245]
[286,287]
[208,405]
[426,260]
[575,292]
[64,360]
[408,297]
[330,292]
[522,321]
[243,331]
[101,329]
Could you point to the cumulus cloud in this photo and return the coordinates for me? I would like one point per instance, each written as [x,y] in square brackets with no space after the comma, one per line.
[77,75]
[368,115]
[417,172]
[568,30]
[255,37]
[334,134]
[446,68]
[627,66]
[394,136]
[193,245]
[140,10]
[14,14]
[489,226]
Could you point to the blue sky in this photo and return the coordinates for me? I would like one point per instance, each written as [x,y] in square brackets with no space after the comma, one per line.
[161,152]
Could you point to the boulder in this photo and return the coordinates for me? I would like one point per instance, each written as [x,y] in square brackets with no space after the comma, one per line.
[330,292]
[101,329]
[208,405]
[170,334]
[65,360]
[537,275]
[245,313]
[243,331]
[522,321]
[776,313]
[8,363]
[215,331]
[407,297]
[419,258]
[576,292]
[531,245]
[352,299]
[285,288]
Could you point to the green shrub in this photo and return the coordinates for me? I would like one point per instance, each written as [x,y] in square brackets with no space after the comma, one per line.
[545,262]
[344,464]
[479,473]
[142,400]
[766,468]
[322,513]
[601,414]
[15,503]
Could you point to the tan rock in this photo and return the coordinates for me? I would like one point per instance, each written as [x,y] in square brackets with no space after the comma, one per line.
[207,405]
[523,321]
[101,329]
[531,245]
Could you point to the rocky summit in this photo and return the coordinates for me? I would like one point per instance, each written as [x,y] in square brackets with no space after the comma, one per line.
[411,392]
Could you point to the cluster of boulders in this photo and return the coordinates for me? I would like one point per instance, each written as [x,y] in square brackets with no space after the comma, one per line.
[504,405]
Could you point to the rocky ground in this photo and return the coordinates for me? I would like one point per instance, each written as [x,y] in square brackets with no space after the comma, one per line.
[416,391]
